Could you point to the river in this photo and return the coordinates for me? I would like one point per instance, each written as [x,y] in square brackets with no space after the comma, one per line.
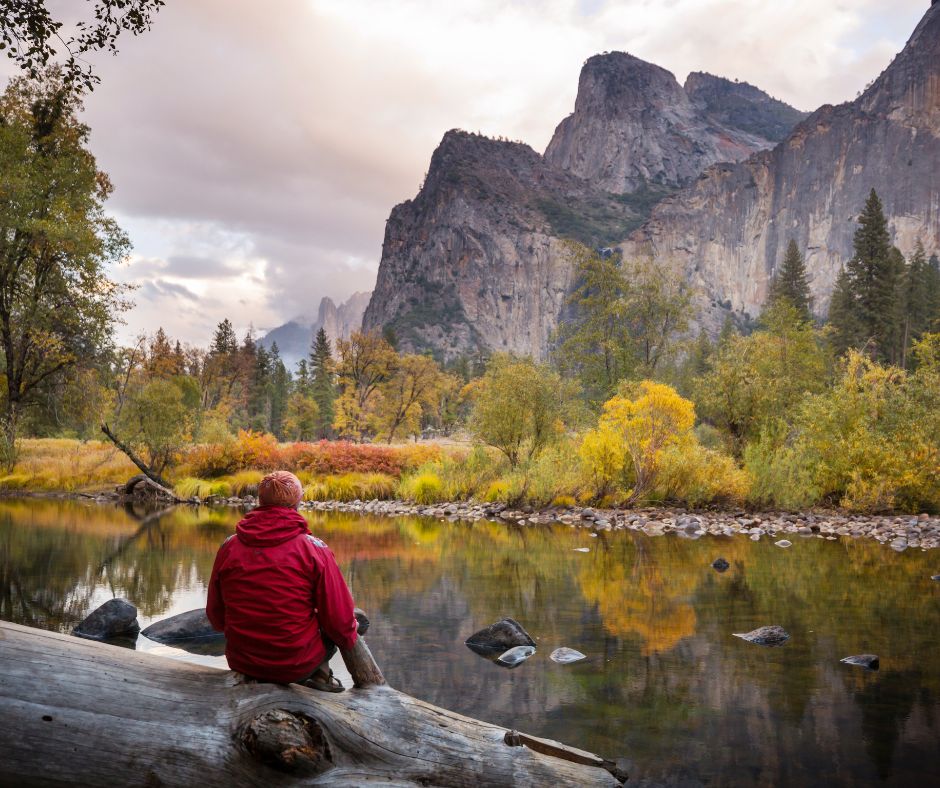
[665,685]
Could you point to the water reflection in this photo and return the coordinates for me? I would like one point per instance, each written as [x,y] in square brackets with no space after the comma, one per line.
[664,683]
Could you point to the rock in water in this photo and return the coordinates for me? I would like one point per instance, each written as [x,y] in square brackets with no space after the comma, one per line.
[499,637]
[720,565]
[868,661]
[582,549]
[564,656]
[515,656]
[191,625]
[935,577]
[116,618]
[189,631]
[765,636]
[784,543]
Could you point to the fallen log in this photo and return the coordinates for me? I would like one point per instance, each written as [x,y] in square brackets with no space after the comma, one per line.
[144,468]
[80,712]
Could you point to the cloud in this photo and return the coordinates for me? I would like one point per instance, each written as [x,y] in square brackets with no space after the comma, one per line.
[257,148]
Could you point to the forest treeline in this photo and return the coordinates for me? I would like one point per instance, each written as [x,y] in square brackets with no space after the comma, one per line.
[635,403]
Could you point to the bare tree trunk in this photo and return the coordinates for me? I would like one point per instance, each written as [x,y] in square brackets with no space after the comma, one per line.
[144,468]
[90,714]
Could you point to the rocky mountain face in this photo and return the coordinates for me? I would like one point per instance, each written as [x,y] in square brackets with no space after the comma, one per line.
[729,229]
[479,258]
[295,337]
[634,124]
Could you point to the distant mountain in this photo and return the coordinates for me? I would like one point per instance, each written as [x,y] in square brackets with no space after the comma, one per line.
[295,337]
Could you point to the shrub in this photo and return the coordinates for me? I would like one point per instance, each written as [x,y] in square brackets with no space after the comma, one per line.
[245,482]
[564,501]
[691,474]
[497,492]
[424,487]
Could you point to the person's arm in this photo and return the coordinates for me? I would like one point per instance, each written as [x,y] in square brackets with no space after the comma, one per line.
[215,606]
[333,601]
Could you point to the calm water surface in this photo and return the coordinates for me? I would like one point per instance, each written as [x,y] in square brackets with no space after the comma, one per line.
[664,686]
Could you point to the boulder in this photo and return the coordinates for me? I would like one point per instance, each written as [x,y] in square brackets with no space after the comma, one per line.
[868,661]
[499,637]
[191,625]
[720,565]
[116,618]
[765,636]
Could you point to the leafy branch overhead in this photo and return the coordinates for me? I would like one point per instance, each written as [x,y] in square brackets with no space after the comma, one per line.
[35,39]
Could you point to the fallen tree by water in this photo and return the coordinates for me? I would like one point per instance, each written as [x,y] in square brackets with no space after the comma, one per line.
[97,715]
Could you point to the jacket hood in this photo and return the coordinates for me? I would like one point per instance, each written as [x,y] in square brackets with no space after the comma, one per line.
[267,526]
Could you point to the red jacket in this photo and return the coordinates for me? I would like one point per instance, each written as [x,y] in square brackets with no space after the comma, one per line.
[274,586]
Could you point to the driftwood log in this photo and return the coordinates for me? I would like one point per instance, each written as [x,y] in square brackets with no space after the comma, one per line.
[77,712]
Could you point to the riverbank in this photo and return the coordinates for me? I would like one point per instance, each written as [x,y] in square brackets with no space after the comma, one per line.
[900,532]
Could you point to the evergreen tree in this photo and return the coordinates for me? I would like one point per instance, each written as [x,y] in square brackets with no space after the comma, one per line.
[302,381]
[322,383]
[790,282]
[279,391]
[224,341]
[259,386]
[843,319]
[866,311]
[933,294]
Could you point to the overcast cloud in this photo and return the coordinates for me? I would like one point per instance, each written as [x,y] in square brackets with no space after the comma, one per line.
[257,148]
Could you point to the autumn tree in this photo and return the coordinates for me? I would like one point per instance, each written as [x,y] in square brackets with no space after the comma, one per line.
[366,361]
[754,380]
[518,407]
[411,388]
[57,304]
[640,423]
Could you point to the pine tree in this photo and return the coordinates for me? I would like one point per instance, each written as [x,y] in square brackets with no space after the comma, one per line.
[279,391]
[790,282]
[843,318]
[302,379]
[322,383]
[872,276]
[933,294]
[224,341]
[916,298]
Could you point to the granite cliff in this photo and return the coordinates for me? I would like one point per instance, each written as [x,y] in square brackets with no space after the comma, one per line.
[729,228]
[480,259]
[634,124]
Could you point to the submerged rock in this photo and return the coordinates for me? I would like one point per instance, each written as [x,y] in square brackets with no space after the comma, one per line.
[565,656]
[720,565]
[784,543]
[116,618]
[582,549]
[868,661]
[515,656]
[765,636]
[935,577]
[499,637]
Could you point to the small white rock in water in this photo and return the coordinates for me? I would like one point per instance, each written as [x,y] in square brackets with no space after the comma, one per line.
[765,636]
[582,549]
[564,656]
[784,543]
[515,656]
[869,661]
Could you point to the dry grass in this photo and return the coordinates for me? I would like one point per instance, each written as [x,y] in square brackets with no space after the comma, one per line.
[64,464]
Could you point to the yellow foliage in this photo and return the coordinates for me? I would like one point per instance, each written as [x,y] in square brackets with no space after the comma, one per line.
[424,487]
[694,475]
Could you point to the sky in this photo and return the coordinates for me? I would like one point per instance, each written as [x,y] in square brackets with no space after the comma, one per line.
[256,149]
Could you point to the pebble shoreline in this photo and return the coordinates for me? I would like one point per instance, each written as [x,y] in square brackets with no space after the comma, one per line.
[900,532]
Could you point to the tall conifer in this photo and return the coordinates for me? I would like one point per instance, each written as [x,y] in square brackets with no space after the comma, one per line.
[790,282]
[322,383]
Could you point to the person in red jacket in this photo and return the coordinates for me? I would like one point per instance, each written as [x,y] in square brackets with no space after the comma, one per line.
[278,594]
